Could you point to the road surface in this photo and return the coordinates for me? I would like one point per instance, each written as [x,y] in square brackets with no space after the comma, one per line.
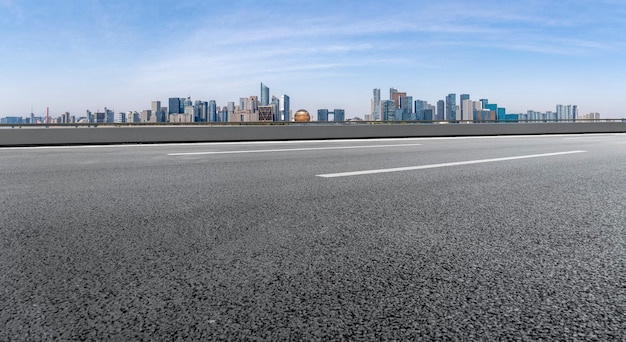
[483,238]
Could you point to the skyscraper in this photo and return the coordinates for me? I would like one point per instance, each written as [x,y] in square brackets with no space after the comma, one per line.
[156,106]
[276,108]
[406,107]
[396,98]
[560,112]
[110,115]
[265,95]
[376,105]
[392,91]
[440,110]
[201,111]
[484,103]
[212,111]
[464,115]
[419,110]
[388,110]
[339,115]
[185,103]
[158,111]
[284,108]
[173,105]
[322,115]
[451,107]
[252,104]
[467,109]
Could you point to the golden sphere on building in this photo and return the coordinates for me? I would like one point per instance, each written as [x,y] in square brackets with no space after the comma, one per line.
[302,116]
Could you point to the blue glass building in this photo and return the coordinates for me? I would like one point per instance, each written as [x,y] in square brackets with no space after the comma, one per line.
[265,95]
[339,115]
[388,108]
[451,107]
[173,105]
[212,111]
[322,115]
[440,110]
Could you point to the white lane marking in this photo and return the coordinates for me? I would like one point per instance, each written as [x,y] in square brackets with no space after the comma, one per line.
[289,149]
[432,166]
[592,135]
[280,142]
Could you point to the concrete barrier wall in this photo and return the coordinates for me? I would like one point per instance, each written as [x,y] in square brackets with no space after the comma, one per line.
[34,136]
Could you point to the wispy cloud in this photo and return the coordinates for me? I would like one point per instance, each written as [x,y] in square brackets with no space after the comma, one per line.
[223,48]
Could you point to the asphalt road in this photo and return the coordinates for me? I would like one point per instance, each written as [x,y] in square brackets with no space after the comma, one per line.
[500,238]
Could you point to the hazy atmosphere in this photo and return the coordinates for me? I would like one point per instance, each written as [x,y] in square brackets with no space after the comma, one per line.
[78,55]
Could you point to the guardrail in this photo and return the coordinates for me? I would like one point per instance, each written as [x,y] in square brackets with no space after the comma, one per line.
[27,135]
[291,123]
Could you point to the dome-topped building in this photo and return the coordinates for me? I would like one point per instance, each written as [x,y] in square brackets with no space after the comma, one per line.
[302,116]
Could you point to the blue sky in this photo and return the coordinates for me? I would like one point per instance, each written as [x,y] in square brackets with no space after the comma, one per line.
[90,54]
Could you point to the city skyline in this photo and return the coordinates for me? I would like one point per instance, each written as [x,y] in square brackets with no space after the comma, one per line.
[400,106]
[528,55]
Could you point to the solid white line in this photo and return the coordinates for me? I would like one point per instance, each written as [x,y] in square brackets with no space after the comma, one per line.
[289,149]
[280,142]
[432,166]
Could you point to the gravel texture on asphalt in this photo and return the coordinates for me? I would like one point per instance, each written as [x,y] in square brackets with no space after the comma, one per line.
[128,243]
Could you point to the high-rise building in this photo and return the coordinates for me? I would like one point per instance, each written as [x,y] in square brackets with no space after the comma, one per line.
[222,115]
[375,113]
[467,110]
[252,104]
[464,115]
[392,91]
[120,117]
[146,116]
[265,95]
[322,115]
[560,112]
[484,103]
[339,115]
[129,117]
[99,117]
[200,111]
[396,98]
[185,103]
[158,111]
[388,110]
[419,108]
[501,114]
[440,110]
[173,105]
[427,114]
[590,116]
[266,113]
[284,108]
[276,108]
[406,107]
[156,106]
[451,107]
[110,115]
[212,111]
